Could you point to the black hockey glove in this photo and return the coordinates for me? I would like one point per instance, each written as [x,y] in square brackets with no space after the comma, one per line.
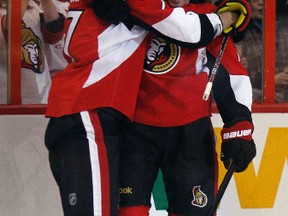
[238,145]
[242,7]
[113,11]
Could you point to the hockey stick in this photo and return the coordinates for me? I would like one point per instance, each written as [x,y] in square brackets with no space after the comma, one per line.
[222,188]
[215,68]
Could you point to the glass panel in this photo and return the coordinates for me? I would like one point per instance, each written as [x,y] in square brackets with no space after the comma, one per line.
[281,78]
[251,49]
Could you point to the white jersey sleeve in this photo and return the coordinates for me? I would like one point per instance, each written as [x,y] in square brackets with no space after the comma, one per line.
[179,24]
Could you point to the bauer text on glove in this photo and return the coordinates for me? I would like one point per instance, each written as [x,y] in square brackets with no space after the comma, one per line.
[238,145]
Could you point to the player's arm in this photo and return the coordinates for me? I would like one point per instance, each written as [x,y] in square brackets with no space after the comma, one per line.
[158,17]
[50,12]
[112,11]
[187,27]
[52,22]
[232,87]
[176,24]
[180,26]
[232,92]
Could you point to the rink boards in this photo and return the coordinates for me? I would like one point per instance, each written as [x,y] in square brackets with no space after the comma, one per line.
[29,189]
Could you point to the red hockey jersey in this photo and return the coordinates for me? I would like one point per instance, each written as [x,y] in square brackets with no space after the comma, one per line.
[105,68]
[174,80]
[175,77]
[102,56]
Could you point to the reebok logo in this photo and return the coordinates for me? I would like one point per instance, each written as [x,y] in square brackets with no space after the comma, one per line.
[127,190]
[235,134]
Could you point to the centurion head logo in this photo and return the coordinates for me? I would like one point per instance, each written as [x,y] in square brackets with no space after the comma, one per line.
[161,56]
[32,51]
[200,198]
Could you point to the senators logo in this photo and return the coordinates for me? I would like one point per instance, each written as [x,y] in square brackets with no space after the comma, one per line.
[200,199]
[32,51]
[161,57]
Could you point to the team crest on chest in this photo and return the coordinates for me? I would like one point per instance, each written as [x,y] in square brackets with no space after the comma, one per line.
[200,198]
[161,57]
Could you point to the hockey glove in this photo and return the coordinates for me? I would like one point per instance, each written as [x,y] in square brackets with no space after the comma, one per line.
[113,11]
[242,7]
[238,145]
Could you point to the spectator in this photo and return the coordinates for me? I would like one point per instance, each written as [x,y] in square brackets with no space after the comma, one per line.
[251,48]
[251,51]
[3,54]
[281,77]
[38,27]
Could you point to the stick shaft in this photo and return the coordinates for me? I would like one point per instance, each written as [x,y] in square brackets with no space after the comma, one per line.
[222,189]
[215,69]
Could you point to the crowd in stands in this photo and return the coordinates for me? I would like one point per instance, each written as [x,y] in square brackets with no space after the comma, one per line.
[251,50]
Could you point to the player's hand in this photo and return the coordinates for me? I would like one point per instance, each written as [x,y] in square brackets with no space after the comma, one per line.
[242,8]
[238,145]
[113,11]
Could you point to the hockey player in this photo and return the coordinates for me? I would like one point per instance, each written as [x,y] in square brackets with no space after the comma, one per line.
[96,93]
[87,102]
[172,129]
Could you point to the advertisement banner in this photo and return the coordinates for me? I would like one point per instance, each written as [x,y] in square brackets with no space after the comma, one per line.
[28,188]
